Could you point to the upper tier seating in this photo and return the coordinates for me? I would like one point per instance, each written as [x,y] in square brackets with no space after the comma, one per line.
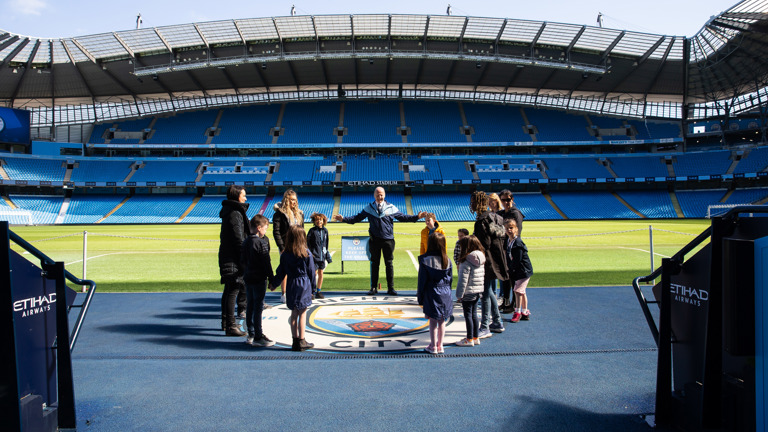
[494,123]
[372,122]
[756,161]
[137,125]
[655,129]
[184,128]
[433,122]
[310,122]
[702,163]
[575,167]
[102,170]
[377,122]
[638,166]
[558,126]
[246,125]
[595,205]
[166,171]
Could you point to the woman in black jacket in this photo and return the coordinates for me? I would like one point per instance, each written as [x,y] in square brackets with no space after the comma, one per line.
[489,229]
[234,229]
[287,214]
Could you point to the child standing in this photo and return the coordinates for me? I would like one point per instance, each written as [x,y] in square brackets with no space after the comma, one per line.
[463,232]
[434,290]
[258,273]
[432,226]
[469,286]
[520,269]
[298,268]
[317,241]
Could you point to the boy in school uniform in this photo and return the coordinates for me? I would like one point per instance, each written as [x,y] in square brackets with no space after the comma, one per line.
[258,276]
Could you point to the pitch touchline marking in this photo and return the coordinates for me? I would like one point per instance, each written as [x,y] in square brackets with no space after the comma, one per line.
[643,250]
[413,260]
[141,252]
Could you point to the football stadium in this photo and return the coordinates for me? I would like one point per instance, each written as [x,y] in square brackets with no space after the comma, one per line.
[639,163]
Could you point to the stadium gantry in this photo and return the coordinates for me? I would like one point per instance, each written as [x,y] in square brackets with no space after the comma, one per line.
[421,103]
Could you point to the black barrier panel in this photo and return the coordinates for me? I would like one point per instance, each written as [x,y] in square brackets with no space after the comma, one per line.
[738,297]
[689,295]
[34,316]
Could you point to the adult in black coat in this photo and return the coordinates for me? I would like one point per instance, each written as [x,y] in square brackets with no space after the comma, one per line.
[490,231]
[234,230]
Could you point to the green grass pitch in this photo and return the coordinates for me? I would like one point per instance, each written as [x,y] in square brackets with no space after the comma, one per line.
[179,257]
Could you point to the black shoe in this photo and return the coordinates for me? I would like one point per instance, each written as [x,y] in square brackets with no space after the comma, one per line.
[305,345]
[391,292]
[319,295]
[296,345]
[241,315]
[234,330]
[373,291]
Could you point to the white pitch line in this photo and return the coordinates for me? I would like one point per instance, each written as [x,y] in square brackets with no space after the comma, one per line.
[96,256]
[414,260]
[128,253]
[642,250]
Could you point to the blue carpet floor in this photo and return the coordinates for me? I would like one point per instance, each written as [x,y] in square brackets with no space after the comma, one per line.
[154,362]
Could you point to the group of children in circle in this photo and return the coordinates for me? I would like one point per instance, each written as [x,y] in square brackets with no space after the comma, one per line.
[304,255]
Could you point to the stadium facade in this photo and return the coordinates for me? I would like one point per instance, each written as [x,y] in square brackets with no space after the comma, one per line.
[421,103]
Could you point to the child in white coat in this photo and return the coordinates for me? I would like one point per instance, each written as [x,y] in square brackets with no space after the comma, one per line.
[469,287]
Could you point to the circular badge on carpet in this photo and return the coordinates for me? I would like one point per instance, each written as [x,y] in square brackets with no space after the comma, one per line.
[363,324]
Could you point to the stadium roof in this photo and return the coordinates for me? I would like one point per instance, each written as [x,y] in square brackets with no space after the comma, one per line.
[381,56]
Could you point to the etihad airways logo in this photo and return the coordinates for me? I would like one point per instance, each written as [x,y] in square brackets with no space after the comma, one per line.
[688,295]
[363,324]
[34,305]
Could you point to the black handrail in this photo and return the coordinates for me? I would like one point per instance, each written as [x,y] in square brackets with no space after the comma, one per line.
[72,278]
[678,259]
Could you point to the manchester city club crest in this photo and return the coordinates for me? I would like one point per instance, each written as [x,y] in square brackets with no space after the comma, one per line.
[363,324]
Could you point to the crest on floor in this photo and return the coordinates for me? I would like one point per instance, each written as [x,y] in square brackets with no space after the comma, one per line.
[363,324]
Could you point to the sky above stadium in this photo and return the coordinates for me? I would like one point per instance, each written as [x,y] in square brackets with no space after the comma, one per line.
[67,18]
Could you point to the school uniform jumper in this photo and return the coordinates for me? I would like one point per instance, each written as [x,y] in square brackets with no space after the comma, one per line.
[258,272]
[301,279]
[434,287]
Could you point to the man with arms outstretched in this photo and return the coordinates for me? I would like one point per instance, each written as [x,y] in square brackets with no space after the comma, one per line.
[381,216]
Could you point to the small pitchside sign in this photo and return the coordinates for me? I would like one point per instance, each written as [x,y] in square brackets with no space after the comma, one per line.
[354,249]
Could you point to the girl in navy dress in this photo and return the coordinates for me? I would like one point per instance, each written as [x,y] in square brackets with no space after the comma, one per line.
[298,267]
[434,289]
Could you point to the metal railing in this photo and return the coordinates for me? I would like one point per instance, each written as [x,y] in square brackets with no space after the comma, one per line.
[47,261]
